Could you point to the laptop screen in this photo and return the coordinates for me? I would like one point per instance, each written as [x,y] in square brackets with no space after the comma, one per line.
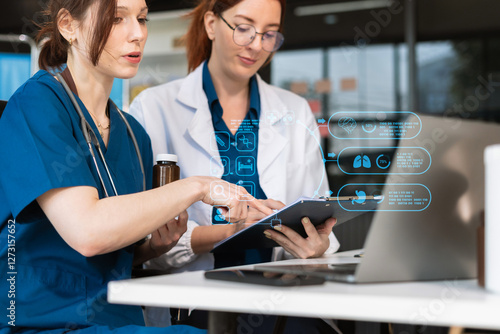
[432,203]
[425,228]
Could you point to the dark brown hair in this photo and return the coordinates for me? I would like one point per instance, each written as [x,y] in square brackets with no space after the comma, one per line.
[54,52]
[198,45]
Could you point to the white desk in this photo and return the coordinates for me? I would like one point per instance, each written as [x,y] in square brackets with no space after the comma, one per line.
[458,303]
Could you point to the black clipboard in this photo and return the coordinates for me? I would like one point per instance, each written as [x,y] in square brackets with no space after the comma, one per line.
[318,210]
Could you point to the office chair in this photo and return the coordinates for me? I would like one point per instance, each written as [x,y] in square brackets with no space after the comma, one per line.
[2,106]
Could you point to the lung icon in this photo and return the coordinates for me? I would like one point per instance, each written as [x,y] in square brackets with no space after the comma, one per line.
[362,160]
[366,161]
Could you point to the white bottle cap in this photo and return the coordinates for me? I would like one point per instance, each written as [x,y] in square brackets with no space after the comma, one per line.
[166,157]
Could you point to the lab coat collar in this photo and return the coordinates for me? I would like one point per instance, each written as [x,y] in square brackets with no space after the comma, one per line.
[191,92]
[273,110]
[200,128]
[271,132]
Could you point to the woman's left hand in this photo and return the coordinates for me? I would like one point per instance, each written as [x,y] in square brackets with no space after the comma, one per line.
[314,245]
[162,240]
[166,237]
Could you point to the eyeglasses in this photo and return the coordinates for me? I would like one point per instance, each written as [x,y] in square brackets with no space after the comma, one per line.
[244,34]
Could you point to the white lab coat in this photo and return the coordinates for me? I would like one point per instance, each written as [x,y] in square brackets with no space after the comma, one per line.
[177,117]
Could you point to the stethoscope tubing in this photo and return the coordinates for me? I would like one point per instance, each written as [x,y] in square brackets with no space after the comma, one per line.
[91,139]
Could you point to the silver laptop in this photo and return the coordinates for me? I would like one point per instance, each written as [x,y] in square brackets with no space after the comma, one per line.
[433,199]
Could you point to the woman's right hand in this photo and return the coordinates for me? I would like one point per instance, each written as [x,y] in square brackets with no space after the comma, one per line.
[255,215]
[232,201]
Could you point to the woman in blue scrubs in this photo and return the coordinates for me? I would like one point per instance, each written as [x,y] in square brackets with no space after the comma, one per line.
[62,239]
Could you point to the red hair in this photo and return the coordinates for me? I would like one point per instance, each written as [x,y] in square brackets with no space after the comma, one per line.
[198,45]
[54,52]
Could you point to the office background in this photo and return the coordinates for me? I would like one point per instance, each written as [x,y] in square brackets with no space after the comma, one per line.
[432,56]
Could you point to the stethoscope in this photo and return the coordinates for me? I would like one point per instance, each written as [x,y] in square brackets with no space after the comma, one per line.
[91,139]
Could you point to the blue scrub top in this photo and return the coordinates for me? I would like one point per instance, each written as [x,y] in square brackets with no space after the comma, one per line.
[242,151]
[42,147]
[240,158]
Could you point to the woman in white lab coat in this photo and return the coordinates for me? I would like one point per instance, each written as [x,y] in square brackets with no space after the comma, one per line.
[224,103]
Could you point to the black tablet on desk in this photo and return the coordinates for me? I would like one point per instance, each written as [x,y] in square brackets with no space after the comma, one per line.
[263,277]
[318,210]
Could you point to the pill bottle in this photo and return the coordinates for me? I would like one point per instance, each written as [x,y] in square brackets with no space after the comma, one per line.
[165,170]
